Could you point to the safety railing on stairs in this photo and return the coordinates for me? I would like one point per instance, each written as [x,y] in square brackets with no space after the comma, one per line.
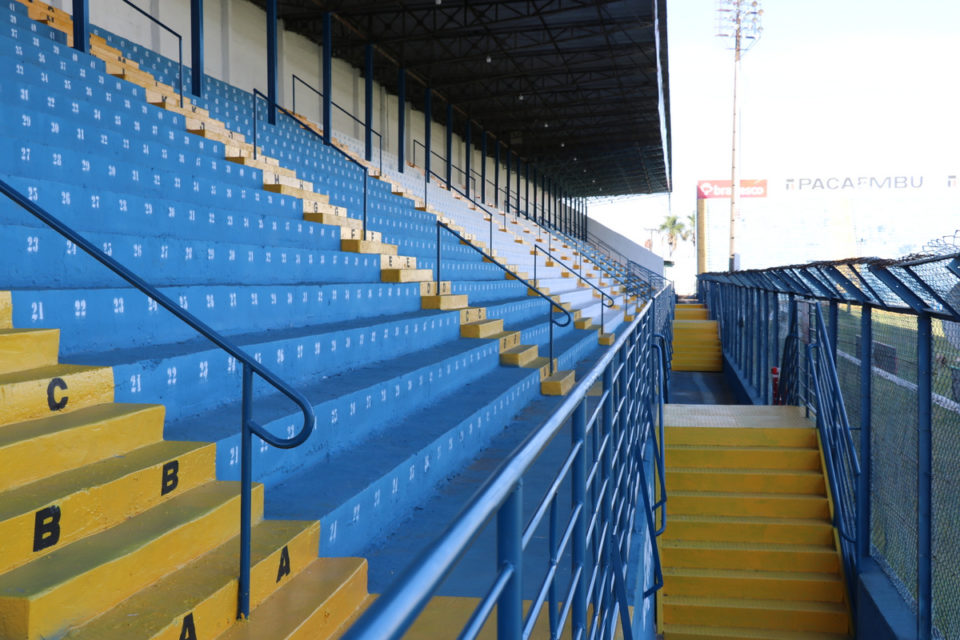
[179,38]
[250,366]
[553,306]
[297,78]
[490,214]
[306,125]
[606,473]
[879,367]
[606,301]
[454,168]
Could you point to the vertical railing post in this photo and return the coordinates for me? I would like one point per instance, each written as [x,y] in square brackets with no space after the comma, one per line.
[924,479]
[578,487]
[196,47]
[866,408]
[246,483]
[834,322]
[401,118]
[272,75]
[327,64]
[765,348]
[510,554]
[368,102]
[437,292]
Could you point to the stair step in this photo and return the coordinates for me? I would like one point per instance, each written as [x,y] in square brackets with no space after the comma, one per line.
[444,302]
[559,384]
[98,496]
[752,555]
[28,349]
[727,528]
[71,440]
[75,583]
[315,604]
[481,328]
[800,437]
[825,617]
[202,595]
[406,275]
[519,356]
[747,480]
[61,388]
[767,585]
[719,457]
[749,504]
[691,632]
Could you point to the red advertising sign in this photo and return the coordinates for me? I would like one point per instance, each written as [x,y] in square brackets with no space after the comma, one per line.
[722,189]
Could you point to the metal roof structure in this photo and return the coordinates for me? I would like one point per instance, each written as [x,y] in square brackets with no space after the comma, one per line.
[578,88]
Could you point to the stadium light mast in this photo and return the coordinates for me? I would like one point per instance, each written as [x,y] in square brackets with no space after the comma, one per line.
[738,20]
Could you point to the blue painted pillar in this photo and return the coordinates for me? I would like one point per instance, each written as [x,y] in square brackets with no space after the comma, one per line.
[196,47]
[468,143]
[507,189]
[510,553]
[578,481]
[81,25]
[401,118]
[866,407]
[526,188]
[327,59]
[924,479]
[483,166]
[535,218]
[496,175]
[834,318]
[516,164]
[272,80]
[449,144]
[368,102]
[427,126]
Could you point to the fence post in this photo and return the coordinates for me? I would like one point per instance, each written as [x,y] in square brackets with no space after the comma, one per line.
[578,482]
[510,552]
[924,479]
[866,393]
[834,322]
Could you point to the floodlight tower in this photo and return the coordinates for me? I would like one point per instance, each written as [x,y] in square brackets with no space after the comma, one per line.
[738,20]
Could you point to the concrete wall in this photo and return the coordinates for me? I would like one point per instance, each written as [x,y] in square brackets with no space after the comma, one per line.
[625,246]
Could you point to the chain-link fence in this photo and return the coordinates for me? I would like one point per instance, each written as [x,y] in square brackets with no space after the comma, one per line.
[903,318]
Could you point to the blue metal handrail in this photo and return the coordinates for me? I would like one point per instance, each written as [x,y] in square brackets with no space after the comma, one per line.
[344,111]
[249,427]
[396,609]
[515,276]
[258,94]
[179,46]
[416,143]
[470,198]
[604,297]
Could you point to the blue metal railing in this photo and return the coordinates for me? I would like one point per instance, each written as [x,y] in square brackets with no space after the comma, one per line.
[297,78]
[605,298]
[453,167]
[179,46]
[620,424]
[532,287]
[426,181]
[306,125]
[248,426]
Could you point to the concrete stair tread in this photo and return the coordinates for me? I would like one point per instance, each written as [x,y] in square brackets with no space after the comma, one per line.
[43,373]
[746,495]
[314,604]
[731,447]
[748,603]
[742,546]
[671,631]
[167,601]
[38,392]
[53,424]
[761,520]
[746,573]
[742,470]
[27,348]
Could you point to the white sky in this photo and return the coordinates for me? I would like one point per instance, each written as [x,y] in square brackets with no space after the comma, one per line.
[841,87]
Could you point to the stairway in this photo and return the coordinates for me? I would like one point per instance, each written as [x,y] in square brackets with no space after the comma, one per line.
[749,550]
[108,531]
[696,340]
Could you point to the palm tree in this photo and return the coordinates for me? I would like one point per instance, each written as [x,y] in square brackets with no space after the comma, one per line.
[691,232]
[675,231]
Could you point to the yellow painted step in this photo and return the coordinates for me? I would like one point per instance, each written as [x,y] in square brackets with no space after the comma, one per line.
[795,437]
[786,505]
[745,529]
[742,457]
[40,392]
[481,328]
[583,323]
[606,339]
[825,617]
[314,605]
[6,310]
[746,480]
[559,384]
[369,246]
[762,585]
[690,305]
[406,275]
[392,261]
[692,314]
[519,356]
[691,632]
[507,340]
[200,599]
[22,349]
[95,497]
[749,556]
[444,302]
[472,314]
[79,581]
[72,440]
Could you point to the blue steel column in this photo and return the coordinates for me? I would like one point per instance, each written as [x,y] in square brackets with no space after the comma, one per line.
[578,484]
[401,118]
[368,102]
[449,174]
[272,80]
[81,24]
[765,348]
[427,126]
[924,479]
[866,397]
[535,217]
[483,166]
[526,190]
[506,200]
[834,316]
[517,168]
[327,58]
[466,161]
[510,554]
[496,176]
[196,47]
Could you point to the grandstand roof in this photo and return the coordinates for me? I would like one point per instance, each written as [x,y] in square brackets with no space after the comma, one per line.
[573,86]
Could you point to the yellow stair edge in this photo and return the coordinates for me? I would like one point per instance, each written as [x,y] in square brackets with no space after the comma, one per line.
[692,632]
